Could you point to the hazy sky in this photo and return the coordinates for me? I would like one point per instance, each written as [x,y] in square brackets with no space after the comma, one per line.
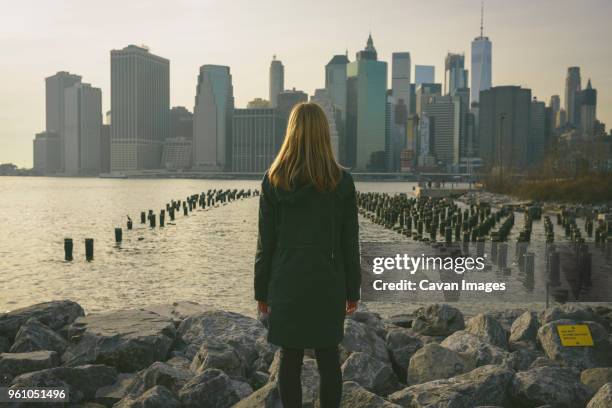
[534,41]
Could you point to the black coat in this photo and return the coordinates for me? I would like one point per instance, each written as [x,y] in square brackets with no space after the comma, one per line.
[307,262]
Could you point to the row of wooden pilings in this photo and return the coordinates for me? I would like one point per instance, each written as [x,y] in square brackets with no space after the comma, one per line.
[204,200]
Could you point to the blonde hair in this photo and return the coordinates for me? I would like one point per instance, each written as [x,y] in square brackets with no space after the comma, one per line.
[306,156]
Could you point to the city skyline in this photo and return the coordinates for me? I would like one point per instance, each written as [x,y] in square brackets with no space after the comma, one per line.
[555,40]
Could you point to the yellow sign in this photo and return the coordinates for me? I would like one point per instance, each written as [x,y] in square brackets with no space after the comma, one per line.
[573,335]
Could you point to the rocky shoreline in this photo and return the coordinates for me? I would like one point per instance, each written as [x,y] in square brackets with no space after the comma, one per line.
[189,355]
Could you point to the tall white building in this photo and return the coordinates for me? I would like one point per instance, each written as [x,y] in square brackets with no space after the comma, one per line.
[140,106]
[212,119]
[424,74]
[321,98]
[481,63]
[83,121]
[277,80]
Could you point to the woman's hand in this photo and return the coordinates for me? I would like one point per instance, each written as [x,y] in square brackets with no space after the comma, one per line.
[262,307]
[351,306]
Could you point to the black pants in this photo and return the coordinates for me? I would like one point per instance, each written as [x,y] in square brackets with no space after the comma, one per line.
[289,377]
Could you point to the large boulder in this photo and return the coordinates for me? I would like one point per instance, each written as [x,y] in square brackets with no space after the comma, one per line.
[370,373]
[214,354]
[239,331]
[580,357]
[265,397]
[157,397]
[433,362]
[209,389]
[568,311]
[310,379]
[178,311]
[355,396]
[488,328]
[402,344]
[370,319]
[159,374]
[5,345]
[486,385]
[129,340]
[14,364]
[438,320]
[403,320]
[109,395]
[603,398]
[522,359]
[506,317]
[35,336]
[54,315]
[477,349]
[524,330]
[559,387]
[359,337]
[595,378]
[83,381]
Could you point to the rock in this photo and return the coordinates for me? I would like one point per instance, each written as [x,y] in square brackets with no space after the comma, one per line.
[310,379]
[355,396]
[5,345]
[159,373]
[259,379]
[129,340]
[506,317]
[402,345]
[370,373]
[113,393]
[569,311]
[372,320]
[359,337]
[15,364]
[604,314]
[556,386]
[579,357]
[179,362]
[433,362]
[239,331]
[401,320]
[209,389]
[481,352]
[266,352]
[35,336]
[603,398]
[524,330]
[438,320]
[488,328]
[243,389]
[595,378]
[54,315]
[156,397]
[178,311]
[83,381]
[543,362]
[265,397]
[484,385]
[521,359]
[214,354]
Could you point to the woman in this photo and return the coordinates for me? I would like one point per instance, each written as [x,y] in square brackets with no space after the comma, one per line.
[307,274]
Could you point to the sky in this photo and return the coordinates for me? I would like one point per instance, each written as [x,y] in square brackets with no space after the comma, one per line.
[534,41]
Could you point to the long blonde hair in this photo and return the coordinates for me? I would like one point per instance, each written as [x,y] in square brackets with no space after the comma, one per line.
[306,156]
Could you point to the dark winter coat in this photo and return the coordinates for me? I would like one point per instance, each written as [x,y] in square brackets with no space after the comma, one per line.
[307,262]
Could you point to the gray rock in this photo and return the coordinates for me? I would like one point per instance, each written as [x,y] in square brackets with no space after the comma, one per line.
[401,320]
[5,345]
[15,364]
[595,378]
[129,340]
[179,362]
[559,387]
[355,396]
[156,397]
[239,331]
[402,344]
[488,328]
[579,357]
[35,336]
[359,337]
[54,314]
[524,330]
[521,359]
[214,354]
[433,362]
[178,311]
[603,398]
[243,389]
[481,352]
[370,319]
[83,381]
[438,320]
[310,379]
[210,389]
[570,311]
[258,379]
[265,352]
[160,374]
[265,397]
[371,374]
[543,362]
[506,317]
[113,393]
[484,385]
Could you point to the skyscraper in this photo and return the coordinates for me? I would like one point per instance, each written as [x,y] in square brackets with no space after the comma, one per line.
[573,85]
[322,98]
[444,115]
[288,99]
[212,119]
[366,106]
[83,121]
[424,74]
[400,78]
[335,85]
[140,105]
[424,91]
[277,80]
[257,135]
[46,152]
[536,143]
[455,76]
[401,98]
[481,63]
[55,86]
[181,122]
[588,110]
